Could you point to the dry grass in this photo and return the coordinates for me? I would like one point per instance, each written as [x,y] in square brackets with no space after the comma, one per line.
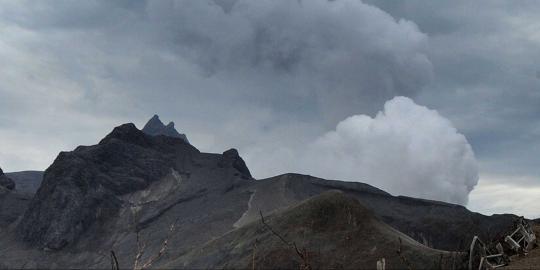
[302,253]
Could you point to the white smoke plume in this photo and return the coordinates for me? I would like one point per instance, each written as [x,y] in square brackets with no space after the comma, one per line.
[406,149]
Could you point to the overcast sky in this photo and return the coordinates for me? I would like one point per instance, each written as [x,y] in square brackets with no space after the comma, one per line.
[435,99]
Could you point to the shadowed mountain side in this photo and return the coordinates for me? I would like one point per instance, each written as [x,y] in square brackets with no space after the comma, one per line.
[6,182]
[12,202]
[336,232]
[12,206]
[26,181]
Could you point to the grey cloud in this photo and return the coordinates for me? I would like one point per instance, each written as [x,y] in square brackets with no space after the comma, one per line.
[328,52]
[508,195]
[405,149]
[483,53]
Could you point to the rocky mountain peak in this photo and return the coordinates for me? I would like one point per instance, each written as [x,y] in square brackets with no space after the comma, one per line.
[89,186]
[155,127]
[233,159]
[93,179]
[5,181]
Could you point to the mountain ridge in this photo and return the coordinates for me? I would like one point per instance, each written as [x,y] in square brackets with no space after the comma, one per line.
[132,185]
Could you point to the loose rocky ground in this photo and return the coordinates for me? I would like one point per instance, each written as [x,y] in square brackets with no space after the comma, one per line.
[26,181]
[531,260]
[329,231]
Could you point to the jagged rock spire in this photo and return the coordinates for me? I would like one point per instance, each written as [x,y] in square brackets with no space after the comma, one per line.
[155,127]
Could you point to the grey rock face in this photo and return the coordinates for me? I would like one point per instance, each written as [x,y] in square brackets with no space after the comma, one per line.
[12,206]
[12,202]
[6,182]
[155,127]
[131,180]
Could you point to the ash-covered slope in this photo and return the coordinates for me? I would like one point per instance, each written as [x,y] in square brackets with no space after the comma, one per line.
[155,127]
[331,231]
[26,181]
[12,203]
[6,182]
[12,206]
[436,224]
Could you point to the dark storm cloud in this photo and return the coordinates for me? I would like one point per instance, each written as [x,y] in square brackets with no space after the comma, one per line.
[254,68]
[485,57]
[326,53]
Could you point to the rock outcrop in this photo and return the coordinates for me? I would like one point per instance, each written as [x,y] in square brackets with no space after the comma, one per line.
[155,127]
[6,182]
[231,158]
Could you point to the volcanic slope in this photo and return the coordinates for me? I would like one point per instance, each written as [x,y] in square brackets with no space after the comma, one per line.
[330,231]
[436,224]
[26,181]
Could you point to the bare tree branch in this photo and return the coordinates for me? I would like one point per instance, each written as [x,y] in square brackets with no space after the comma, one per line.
[254,250]
[142,246]
[302,254]
[402,257]
[114,261]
